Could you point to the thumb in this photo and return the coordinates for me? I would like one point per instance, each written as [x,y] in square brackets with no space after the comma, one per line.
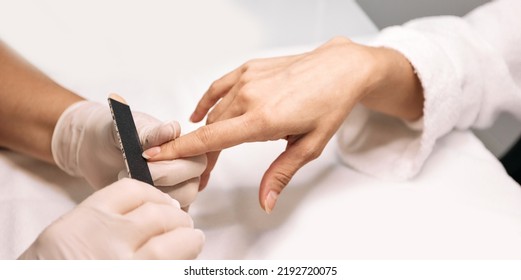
[280,172]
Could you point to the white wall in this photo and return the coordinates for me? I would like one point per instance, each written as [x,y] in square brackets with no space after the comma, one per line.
[294,22]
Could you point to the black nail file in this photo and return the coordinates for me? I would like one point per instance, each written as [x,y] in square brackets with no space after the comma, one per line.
[129,141]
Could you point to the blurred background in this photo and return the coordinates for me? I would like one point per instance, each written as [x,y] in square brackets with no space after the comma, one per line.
[201,36]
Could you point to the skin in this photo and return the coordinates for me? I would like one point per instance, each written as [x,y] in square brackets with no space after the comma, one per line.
[31,104]
[34,101]
[303,99]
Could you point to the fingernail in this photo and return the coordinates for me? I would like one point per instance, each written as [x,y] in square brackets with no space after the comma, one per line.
[269,202]
[150,153]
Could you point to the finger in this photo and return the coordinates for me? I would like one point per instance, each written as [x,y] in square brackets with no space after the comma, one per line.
[181,243]
[224,86]
[221,87]
[184,192]
[224,106]
[263,70]
[159,134]
[173,172]
[143,120]
[284,168]
[213,137]
[212,159]
[126,195]
[217,90]
[151,219]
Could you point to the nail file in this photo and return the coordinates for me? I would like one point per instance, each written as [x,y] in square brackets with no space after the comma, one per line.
[137,166]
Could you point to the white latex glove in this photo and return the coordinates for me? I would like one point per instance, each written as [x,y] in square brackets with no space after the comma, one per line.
[85,144]
[126,220]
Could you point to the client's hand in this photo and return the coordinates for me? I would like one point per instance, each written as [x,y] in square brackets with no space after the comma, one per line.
[84,144]
[126,220]
[303,99]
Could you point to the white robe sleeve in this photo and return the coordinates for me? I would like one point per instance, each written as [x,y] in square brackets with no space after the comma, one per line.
[470,71]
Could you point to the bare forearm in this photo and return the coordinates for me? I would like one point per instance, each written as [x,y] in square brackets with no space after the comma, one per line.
[31,104]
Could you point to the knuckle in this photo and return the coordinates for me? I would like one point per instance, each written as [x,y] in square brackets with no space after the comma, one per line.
[253,61]
[185,219]
[195,242]
[212,117]
[170,148]
[282,178]
[129,186]
[151,210]
[186,192]
[245,67]
[214,87]
[173,216]
[248,65]
[247,93]
[243,83]
[265,122]
[51,233]
[267,117]
[204,134]
[192,245]
[339,40]
[311,152]
[156,249]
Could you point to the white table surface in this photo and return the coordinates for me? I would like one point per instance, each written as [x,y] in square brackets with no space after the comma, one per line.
[462,205]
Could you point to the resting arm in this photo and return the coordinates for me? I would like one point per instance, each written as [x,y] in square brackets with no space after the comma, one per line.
[470,71]
[30,106]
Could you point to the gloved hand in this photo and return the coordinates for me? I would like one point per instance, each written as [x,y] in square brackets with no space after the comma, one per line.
[85,144]
[126,220]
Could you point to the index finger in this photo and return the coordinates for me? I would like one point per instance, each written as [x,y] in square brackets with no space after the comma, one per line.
[209,138]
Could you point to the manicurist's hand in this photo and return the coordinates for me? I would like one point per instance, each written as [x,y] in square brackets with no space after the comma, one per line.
[84,143]
[126,220]
[63,128]
[302,99]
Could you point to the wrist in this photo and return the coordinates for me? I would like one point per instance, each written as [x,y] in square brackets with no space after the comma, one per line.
[65,138]
[396,90]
